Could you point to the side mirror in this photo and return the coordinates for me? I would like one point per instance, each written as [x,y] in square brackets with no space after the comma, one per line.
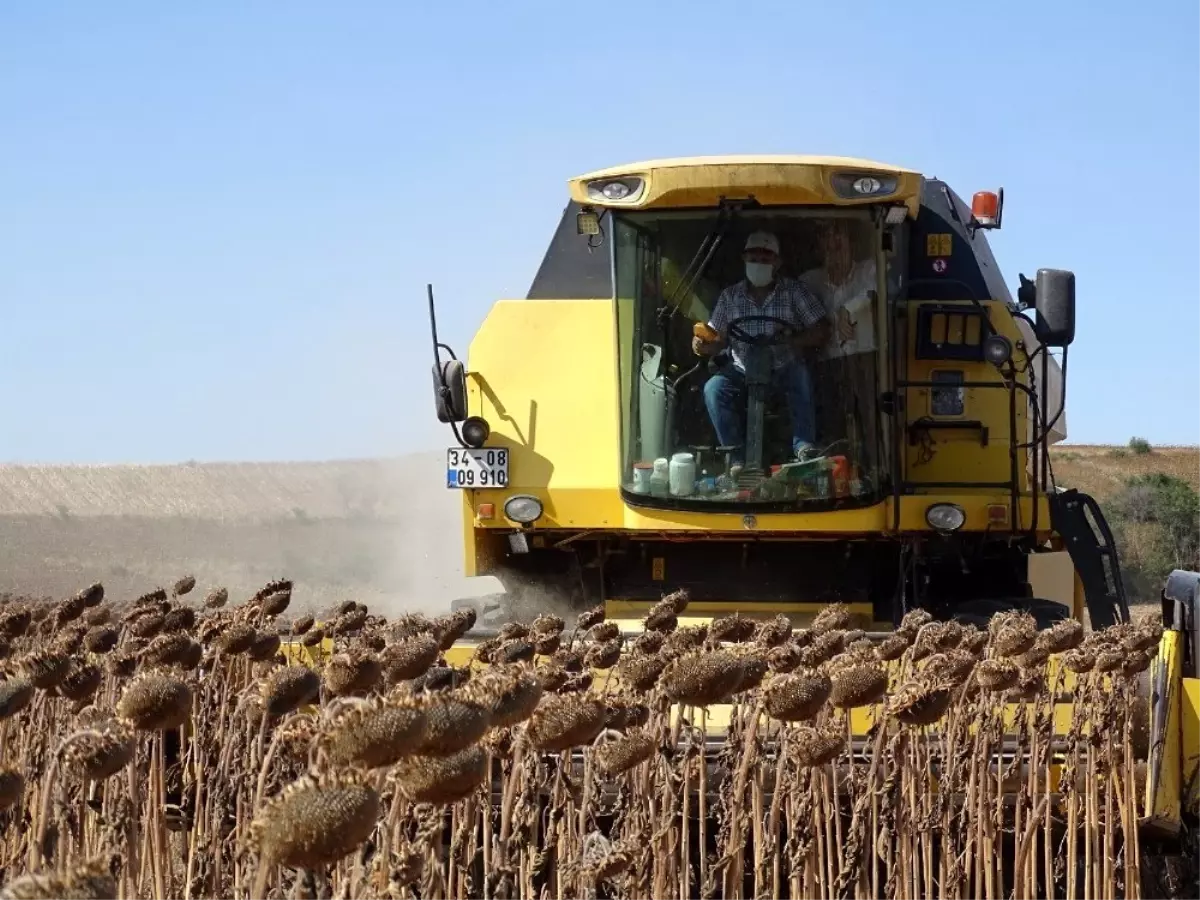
[1055,325]
[449,378]
[450,390]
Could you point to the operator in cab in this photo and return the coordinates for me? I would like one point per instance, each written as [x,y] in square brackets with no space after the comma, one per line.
[845,373]
[764,292]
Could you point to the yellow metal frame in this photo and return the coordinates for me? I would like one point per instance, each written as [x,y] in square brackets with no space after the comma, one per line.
[1164,781]
[777,180]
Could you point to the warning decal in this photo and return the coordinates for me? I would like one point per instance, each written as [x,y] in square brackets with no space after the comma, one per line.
[939,244]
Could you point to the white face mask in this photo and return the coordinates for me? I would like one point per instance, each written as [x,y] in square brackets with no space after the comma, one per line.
[759,274]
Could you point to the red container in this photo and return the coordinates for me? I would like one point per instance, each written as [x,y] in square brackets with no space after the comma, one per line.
[840,475]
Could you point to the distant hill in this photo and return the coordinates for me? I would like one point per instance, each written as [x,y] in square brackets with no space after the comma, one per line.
[383,531]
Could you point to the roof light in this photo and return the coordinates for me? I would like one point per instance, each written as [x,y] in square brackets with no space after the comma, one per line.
[896,214]
[860,186]
[615,190]
[987,207]
[587,222]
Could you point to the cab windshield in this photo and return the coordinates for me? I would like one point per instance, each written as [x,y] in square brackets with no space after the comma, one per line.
[748,358]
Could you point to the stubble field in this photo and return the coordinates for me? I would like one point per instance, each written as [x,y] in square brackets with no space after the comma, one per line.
[383,532]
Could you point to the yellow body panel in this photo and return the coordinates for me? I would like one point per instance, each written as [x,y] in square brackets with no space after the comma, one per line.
[565,446]
[946,454]
[1164,781]
[297,654]
[704,181]
[1190,732]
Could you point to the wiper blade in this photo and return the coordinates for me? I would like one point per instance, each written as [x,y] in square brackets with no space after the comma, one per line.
[726,214]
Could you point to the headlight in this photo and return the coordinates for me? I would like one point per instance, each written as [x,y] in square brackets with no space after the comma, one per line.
[475,431]
[997,349]
[523,509]
[615,190]
[945,517]
[858,186]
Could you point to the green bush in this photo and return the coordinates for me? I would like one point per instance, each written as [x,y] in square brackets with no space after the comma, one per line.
[1156,521]
[1140,446]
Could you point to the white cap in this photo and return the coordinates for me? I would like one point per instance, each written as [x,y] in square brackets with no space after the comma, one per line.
[763,240]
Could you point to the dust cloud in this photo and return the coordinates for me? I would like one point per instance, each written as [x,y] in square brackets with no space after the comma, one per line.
[423,570]
[387,533]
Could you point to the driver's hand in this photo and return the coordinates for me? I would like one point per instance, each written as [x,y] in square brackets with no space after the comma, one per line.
[845,326]
[703,348]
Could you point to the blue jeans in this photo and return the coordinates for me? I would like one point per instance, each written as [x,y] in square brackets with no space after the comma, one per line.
[725,399]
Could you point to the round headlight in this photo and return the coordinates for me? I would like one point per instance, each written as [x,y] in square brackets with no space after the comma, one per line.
[945,517]
[997,349]
[475,431]
[523,509]
[615,190]
[868,185]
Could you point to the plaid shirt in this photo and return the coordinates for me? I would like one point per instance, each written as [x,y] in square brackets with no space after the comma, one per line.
[789,300]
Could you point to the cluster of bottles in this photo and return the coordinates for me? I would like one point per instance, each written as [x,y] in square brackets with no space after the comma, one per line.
[697,474]
[682,477]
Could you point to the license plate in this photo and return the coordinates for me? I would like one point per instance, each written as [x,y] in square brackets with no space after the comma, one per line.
[486,467]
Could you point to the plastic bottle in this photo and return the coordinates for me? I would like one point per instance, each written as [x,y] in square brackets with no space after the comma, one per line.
[660,478]
[682,474]
[642,473]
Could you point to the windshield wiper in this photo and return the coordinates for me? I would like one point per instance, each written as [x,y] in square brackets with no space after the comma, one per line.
[726,215]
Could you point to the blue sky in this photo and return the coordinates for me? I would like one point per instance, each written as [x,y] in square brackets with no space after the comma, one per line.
[219,219]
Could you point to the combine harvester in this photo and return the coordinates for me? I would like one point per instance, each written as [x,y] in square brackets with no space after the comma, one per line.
[642,424]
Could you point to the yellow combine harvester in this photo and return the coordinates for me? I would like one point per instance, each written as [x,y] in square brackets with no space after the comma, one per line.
[777,383]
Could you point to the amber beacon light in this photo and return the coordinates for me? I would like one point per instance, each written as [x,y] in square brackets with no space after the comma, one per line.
[987,208]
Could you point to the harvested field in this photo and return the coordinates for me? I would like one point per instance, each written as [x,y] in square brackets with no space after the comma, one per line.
[384,532]
[1101,470]
[165,748]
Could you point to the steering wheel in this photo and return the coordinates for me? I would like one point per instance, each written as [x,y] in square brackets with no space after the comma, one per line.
[783,332]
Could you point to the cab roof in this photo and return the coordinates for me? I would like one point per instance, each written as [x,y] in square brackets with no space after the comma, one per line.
[746,159]
[704,181]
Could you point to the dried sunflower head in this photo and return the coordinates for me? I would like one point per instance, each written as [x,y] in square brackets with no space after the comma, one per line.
[92,879]
[622,754]
[858,685]
[703,678]
[316,821]
[796,697]
[288,688]
[102,750]
[376,733]
[155,701]
[441,780]
[731,629]
[834,617]
[563,721]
